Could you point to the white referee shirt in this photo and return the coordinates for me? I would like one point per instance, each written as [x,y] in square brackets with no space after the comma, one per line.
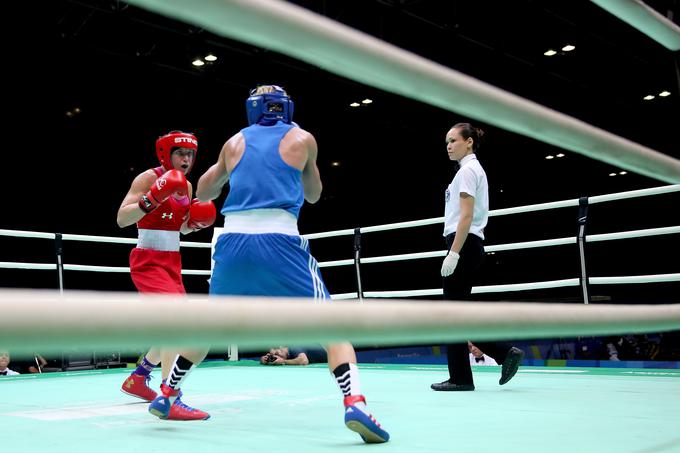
[485,361]
[470,179]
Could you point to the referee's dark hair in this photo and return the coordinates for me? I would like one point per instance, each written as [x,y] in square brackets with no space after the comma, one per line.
[466,130]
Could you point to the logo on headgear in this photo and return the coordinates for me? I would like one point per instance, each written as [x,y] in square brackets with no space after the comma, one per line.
[267,108]
[186,140]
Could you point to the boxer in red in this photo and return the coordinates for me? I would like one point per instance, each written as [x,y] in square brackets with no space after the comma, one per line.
[159,202]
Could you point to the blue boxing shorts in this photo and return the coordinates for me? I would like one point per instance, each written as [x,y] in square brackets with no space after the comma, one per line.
[269,264]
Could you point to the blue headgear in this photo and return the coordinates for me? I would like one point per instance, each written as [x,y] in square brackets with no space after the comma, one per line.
[268,108]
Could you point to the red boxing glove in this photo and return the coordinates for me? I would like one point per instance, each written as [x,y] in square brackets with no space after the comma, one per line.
[170,183]
[201,214]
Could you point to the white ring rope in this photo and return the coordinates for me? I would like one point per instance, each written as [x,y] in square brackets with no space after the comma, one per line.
[329,234]
[658,278]
[478,289]
[389,226]
[90,238]
[84,268]
[320,41]
[32,266]
[387,258]
[336,263]
[48,322]
[27,234]
[523,245]
[506,211]
[412,256]
[633,234]
[634,194]
[645,19]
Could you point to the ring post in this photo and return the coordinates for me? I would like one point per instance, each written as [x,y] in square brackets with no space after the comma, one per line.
[581,239]
[357,261]
[59,252]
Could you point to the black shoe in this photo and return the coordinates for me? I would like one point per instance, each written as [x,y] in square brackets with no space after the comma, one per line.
[511,364]
[447,386]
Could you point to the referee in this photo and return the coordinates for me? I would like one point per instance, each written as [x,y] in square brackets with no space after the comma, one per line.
[465,216]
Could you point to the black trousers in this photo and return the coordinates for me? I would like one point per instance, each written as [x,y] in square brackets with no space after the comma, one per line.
[458,286]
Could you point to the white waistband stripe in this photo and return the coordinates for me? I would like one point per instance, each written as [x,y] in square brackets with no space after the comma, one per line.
[261,221]
[161,240]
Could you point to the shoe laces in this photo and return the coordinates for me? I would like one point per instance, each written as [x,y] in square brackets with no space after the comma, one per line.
[181,405]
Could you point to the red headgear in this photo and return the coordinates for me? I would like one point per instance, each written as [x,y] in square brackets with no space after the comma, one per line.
[166,144]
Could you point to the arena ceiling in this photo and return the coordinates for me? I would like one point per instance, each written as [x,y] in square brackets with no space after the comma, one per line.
[98,80]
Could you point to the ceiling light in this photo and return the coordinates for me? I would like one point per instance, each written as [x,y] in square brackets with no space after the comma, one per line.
[568,48]
[354,104]
[210,57]
[335,164]
[549,53]
[559,155]
[549,157]
[665,93]
[198,62]
[649,97]
[623,172]
[612,174]
[367,101]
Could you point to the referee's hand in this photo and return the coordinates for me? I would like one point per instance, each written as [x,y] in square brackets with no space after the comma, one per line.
[450,263]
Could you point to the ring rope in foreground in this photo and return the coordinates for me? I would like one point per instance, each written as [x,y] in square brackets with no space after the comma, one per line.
[645,19]
[317,40]
[48,322]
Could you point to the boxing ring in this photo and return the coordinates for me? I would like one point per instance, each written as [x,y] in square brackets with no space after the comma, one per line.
[257,407]
[291,408]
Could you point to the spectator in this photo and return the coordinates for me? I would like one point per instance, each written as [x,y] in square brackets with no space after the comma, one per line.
[30,364]
[478,358]
[4,364]
[294,356]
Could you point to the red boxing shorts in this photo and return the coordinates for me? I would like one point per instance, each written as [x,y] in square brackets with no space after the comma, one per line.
[153,271]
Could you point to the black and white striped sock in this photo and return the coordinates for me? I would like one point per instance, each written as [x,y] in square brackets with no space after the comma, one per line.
[347,377]
[181,368]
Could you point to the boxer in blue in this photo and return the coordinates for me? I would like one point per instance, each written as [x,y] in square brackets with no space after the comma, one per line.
[271,169]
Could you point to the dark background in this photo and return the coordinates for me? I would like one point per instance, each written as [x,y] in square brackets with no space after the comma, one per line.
[129,73]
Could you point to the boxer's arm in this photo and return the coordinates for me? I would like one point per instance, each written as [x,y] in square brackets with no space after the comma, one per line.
[185,228]
[129,211]
[211,182]
[311,179]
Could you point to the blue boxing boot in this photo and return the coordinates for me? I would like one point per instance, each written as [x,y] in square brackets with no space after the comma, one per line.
[359,420]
